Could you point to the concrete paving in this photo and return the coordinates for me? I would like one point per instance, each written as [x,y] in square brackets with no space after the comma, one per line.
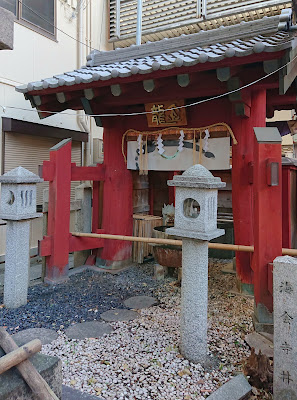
[92,329]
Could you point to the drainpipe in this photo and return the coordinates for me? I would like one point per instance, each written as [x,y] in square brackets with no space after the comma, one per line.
[139,22]
[81,120]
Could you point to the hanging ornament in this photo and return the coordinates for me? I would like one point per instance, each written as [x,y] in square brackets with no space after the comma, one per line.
[139,141]
[181,141]
[205,141]
[160,145]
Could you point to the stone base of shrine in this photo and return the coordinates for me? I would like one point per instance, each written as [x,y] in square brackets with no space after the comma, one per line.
[244,288]
[56,275]
[262,319]
[109,264]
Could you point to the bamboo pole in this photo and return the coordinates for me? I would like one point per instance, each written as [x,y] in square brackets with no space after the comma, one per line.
[129,238]
[174,242]
[289,252]
[35,381]
[21,354]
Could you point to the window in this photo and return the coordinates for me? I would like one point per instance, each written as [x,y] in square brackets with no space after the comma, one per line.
[39,14]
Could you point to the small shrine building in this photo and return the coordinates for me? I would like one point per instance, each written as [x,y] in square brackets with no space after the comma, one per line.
[167,105]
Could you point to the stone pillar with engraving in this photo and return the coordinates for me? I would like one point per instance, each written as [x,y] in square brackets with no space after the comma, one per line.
[17,207]
[285,328]
[196,222]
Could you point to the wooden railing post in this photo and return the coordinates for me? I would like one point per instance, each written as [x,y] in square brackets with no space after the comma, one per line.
[58,172]
[267,219]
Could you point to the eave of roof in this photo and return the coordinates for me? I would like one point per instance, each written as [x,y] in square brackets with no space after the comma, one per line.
[204,47]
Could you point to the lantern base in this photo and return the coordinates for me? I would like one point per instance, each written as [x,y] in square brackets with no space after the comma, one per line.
[184,233]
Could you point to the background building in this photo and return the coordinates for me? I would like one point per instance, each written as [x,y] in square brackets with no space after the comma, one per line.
[49,35]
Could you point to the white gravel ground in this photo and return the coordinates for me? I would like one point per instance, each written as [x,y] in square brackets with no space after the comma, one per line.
[141,360]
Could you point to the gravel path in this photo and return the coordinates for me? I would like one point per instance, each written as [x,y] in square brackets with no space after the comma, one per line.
[83,298]
[140,358]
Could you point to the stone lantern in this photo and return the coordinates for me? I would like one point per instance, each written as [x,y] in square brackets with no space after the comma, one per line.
[196,222]
[18,207]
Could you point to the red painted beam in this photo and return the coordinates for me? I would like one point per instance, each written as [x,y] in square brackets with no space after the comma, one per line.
[47,170]
[75,244]
[45,246]
[282,99]
[87,173]
[204,84]
[84,243]
[91,260]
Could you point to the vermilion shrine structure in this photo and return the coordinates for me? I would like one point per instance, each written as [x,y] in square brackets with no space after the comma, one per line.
[244,60]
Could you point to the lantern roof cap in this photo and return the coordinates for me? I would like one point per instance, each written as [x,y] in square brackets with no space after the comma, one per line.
[198,170]
[197,176]
[20,175]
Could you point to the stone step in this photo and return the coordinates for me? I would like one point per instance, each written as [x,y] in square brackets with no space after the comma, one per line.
[69,393]
[259,342]
[12,385]
[237,388]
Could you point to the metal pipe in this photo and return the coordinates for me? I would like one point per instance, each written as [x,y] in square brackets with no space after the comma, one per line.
[174,242]
[139,23]
[118,19]
[80,116]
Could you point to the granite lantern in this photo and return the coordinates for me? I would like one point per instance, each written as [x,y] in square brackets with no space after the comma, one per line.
[196,222]
[17,207]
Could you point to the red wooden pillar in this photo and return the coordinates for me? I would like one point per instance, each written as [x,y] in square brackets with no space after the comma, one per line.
[242,188]
[58,211]
[267,216]
[117,198]
[286,206]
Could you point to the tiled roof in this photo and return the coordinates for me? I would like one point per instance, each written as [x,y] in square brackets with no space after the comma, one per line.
[201,47]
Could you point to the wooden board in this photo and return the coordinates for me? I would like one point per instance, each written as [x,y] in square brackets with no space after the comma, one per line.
[143,226]
[157,117]
[140,193]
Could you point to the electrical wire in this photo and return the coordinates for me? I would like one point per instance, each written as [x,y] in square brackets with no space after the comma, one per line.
[173,108]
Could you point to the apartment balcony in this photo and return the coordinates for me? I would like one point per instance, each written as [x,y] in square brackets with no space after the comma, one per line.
[170,18]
